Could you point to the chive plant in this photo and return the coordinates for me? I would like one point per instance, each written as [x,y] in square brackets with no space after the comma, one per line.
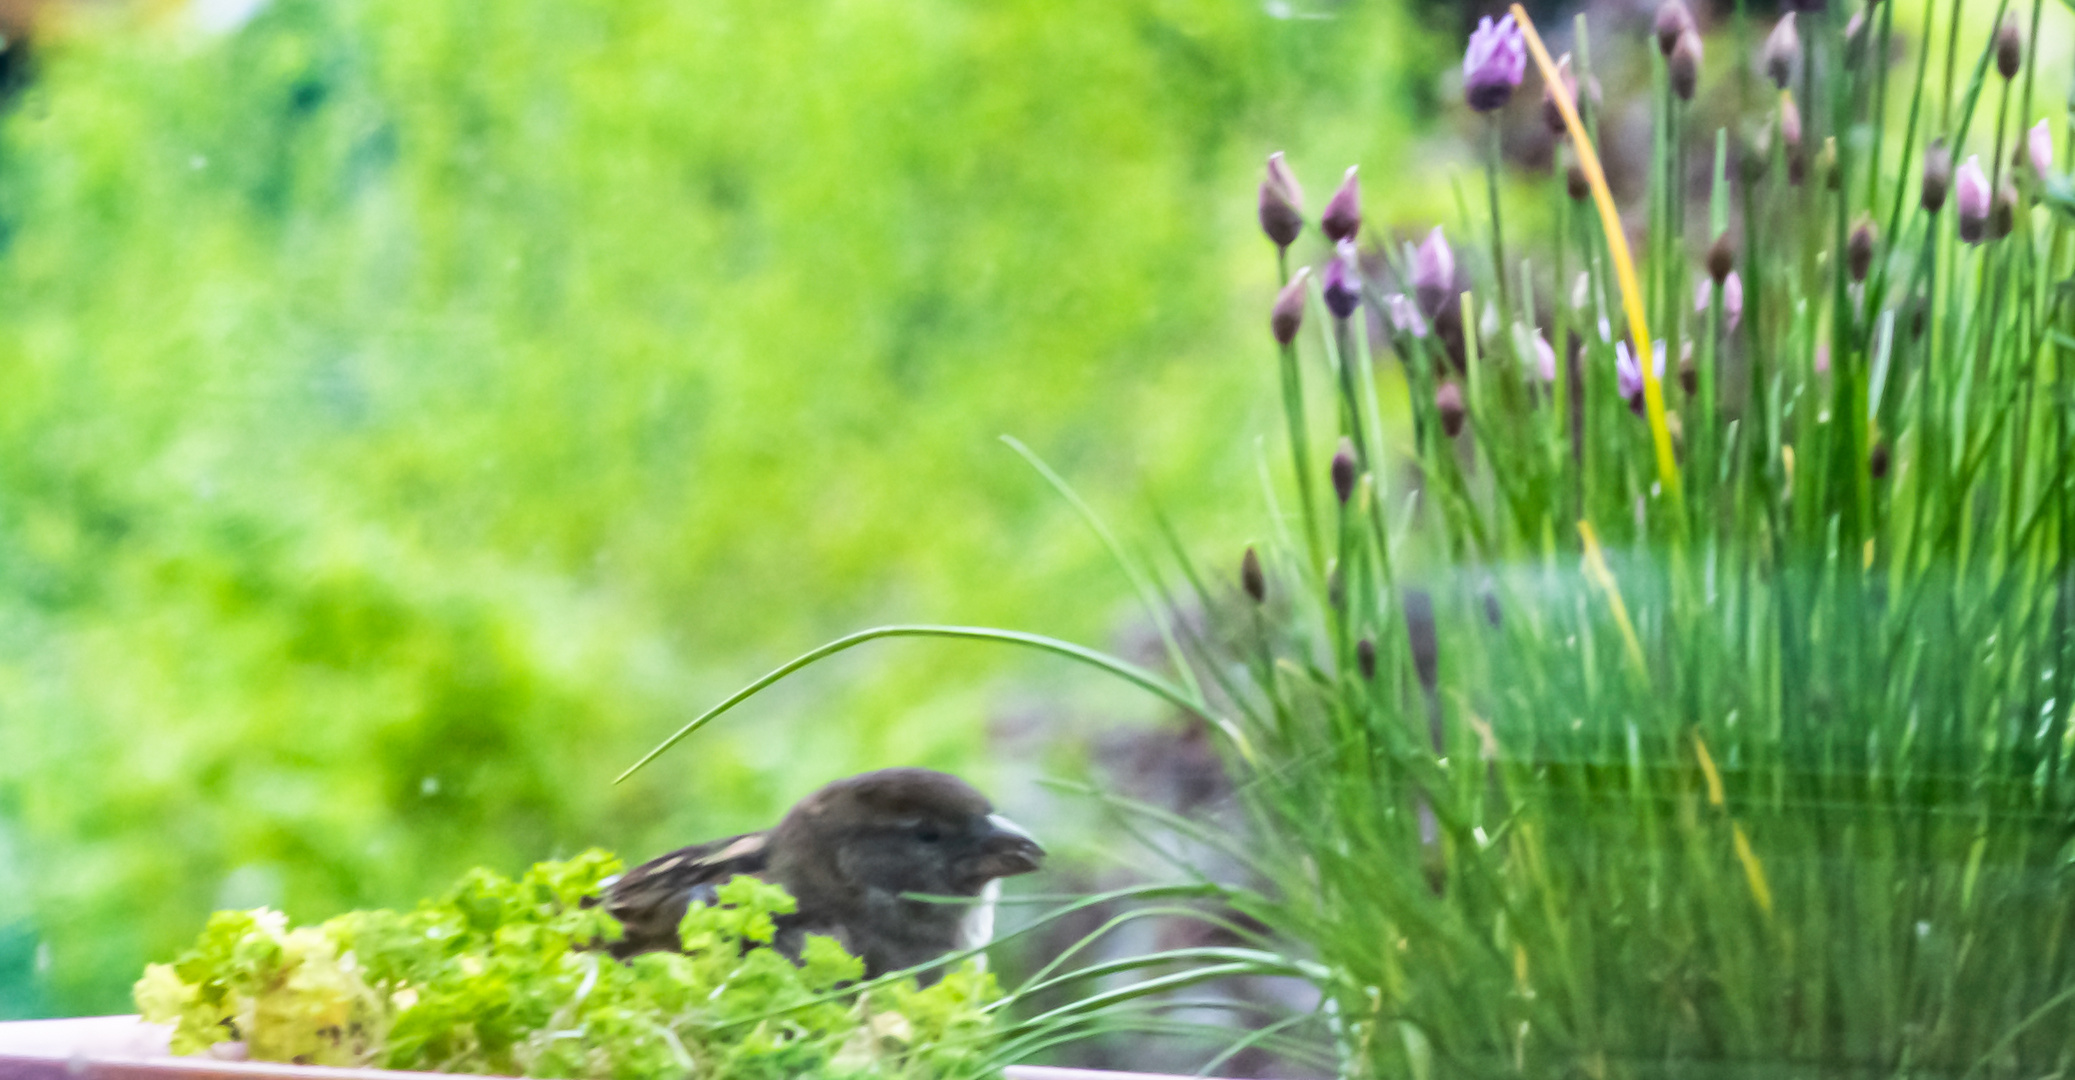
[1685,687]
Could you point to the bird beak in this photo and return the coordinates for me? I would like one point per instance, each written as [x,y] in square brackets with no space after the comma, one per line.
[1006,850]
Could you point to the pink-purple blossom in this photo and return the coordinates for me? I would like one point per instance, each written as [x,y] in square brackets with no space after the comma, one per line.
[1972,194]
[1433,273]
[1342,281]
[1494,64]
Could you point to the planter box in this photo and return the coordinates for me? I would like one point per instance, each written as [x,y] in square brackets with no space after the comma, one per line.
[127,1048]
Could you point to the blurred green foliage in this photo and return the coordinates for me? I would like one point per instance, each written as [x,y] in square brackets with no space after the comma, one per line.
[413,409]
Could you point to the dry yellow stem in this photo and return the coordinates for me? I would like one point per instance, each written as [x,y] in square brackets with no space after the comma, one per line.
[1617,247]
[1707,769]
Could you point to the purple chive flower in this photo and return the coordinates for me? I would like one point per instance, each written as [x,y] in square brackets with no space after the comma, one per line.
[1545,358]
[1972,194]
[1342,281]
[1343,214]
[1732,301]
[1404,315]
[1433,273]
[1494,64]
[1628,375]
[1282,203]
[2040,143]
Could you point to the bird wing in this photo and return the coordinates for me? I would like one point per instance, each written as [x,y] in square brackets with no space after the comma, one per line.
[650,900]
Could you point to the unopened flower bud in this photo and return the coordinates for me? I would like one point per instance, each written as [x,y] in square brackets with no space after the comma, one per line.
[1345,471]
[1689,372]
[1576,183]
[1938,175]
[2003,213]
[1877,460]
[1973,199]
[1365,659]
[1673,18]
[1790,139]
[1584,102]
[1832,170]
[2010,47]
[1732,301]
[1282,203]
[1448,401]
[2039,143]
[1250,577]
[1494,64]
[1342,281]
[1721,257]
[1683,65]
[1343,216]
[1433,274]
[1545,359]
[1858,251]
[1288,313]
[1782,49]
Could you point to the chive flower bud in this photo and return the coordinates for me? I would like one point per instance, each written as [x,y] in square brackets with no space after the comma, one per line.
[1576,183]
[1433,273]
[1251,578]
[1683,65]
[1973,199]
[1721,257]
[1858,251]
[2010,47]
[1782,49]
[1673,19]
[1343,216]
[1584,102]
[1342,281]
[2003,214]
[1448,401]
[1877,460]
[1545,359]
[1938,175]
[1344,471]
[1288,313]
[1282,203]
[2040,143]
[1365,659]
[1494,64]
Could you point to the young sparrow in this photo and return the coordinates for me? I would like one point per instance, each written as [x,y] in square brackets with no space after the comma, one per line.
[860,856]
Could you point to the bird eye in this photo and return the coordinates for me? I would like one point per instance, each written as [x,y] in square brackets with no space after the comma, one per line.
[928,834]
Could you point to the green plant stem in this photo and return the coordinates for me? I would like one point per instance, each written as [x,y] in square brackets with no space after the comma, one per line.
[1130,673]
[1493,163]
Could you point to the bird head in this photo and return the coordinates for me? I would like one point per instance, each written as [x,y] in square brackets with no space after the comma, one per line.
[907,831]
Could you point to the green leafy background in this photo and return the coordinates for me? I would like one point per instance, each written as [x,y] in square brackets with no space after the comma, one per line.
[410,410]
